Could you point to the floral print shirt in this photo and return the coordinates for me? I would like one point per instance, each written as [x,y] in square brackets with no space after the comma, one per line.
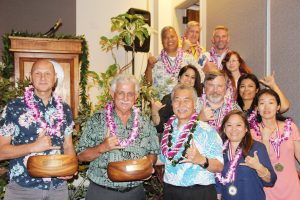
[209,144]
[164,82]
[94,133]
[18,122]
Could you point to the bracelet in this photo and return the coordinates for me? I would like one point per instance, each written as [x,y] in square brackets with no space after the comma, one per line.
[267,172]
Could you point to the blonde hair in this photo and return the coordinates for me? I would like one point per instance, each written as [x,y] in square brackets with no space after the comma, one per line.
[221,28]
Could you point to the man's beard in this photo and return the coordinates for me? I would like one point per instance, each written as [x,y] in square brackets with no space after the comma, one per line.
[215,98]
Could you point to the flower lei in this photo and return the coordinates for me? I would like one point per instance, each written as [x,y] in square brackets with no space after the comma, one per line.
[225,109]
[229,177]
[112,126]
[214,57]
[29,100]
[187,132]
[287,130]
[199,49]
[178,61]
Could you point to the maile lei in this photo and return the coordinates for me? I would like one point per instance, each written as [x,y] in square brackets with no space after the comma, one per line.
[224,110]
[187,132]
[276,142]
[214,56]
[199,49]
[29,100]
[164,57]
[229,177]
[112,125]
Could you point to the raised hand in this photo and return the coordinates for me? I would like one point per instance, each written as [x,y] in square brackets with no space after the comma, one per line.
[193,155]
[252,162]
[156,106]
[43,143]
[151,61]
[269,81]
[110,143]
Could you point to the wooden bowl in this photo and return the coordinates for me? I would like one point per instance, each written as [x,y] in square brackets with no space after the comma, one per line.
[46,166]
[129,170]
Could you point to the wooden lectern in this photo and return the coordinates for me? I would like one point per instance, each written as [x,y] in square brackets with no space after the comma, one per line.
[27,50]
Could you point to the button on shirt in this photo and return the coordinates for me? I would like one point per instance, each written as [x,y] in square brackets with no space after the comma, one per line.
[94,134]
[18,122]
[209,144]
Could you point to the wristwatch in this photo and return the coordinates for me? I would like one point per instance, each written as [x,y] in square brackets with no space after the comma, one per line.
[206,164]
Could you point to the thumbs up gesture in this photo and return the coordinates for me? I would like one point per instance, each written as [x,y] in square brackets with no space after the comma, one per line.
[252,162]
[43,143]
[151,61]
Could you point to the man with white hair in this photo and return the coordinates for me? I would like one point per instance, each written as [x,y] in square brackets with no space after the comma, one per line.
[118,132]
[38,123]
[191,151]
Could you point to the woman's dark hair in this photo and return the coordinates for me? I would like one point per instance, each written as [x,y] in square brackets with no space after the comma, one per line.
[239,99]
[198,86]
[277,98]
[247,141]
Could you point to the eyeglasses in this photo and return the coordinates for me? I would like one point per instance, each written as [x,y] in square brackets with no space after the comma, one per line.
[232,61]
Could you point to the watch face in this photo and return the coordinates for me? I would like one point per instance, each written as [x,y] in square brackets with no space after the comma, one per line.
[206,164]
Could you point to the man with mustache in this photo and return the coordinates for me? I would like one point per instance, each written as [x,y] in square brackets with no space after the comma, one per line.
[191,151]
[215,103]
[117,132]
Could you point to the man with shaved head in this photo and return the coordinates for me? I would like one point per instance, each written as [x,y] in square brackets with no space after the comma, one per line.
[38,123]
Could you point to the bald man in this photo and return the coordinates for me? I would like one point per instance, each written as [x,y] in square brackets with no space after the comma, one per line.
[38,123]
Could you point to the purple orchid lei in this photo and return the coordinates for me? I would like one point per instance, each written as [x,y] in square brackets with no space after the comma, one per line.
[275,142]
[178,61]
[167,137]
[232,168]
[29,100]
[112,125]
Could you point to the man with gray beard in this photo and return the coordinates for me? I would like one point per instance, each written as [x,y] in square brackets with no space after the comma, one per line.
[215,103]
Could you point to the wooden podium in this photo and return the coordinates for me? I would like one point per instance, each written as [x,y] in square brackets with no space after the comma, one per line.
[27,50]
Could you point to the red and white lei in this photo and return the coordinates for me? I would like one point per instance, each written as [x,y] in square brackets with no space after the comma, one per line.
[229,177]
[29,100]
[112,125]
[178,61]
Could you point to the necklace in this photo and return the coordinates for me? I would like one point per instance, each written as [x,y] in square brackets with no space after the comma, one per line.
[276,142]
[187,132]
[112,125]
[34,109]
[230,175]
[178,61]
[214,56]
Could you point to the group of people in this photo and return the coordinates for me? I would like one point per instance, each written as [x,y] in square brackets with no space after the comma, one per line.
[218,135]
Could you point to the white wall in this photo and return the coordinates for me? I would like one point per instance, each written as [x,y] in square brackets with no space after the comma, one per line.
[93,21]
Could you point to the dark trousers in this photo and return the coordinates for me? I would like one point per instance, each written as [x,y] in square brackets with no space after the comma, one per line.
[98,192]
[195,192]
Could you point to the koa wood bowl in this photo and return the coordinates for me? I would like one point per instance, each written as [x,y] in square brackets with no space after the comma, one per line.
[45,166]
[129,170]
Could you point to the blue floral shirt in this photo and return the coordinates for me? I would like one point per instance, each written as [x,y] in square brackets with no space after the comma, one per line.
[18,122]
[209,144]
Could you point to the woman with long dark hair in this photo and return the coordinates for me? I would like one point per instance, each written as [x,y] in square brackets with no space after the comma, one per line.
[247,167]
[282,140]
[248,86]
